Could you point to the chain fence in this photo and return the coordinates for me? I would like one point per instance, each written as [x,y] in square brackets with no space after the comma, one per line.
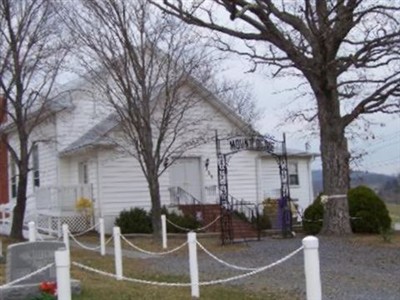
[149,252]
[194,230]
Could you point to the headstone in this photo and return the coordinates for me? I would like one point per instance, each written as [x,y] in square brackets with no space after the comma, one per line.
[28,257]
[397,226]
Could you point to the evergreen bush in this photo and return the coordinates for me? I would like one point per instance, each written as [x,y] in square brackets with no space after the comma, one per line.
[183,221]
[312,218]
[135,220]
[368,211]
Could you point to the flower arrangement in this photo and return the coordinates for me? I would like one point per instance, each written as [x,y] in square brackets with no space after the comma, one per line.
[84,206]
[48,291]
[324,199]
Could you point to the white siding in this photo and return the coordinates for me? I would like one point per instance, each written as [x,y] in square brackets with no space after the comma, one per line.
[88,110]
[122,185]
[45,136]
[271,181]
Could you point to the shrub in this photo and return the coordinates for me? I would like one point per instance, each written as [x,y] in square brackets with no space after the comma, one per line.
[368,211]
[187,221]
[135,220]
[312,218]
[264,222]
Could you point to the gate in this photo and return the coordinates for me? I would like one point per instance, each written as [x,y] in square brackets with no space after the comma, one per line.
[260,143]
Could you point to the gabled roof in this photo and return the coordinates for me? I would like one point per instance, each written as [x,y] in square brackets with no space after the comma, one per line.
[96,136]
[53,106]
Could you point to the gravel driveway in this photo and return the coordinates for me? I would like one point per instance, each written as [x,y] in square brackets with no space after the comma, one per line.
[349,270]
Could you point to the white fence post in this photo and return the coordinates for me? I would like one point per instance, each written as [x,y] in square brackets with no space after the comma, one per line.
[31,231]
[194,269]
[65,231]
[164,231]
[63,274]
[117,252]
[311,268]
[102,237]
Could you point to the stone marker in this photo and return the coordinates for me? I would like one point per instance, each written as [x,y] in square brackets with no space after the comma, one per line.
[397,226]
[25,258]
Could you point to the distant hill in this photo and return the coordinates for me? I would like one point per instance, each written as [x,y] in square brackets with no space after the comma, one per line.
[373,180]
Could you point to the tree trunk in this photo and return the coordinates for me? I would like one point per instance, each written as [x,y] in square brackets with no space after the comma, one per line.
[19,209]
[335,166]
[154,188]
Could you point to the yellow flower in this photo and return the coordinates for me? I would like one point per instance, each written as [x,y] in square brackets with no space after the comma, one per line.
[84,205]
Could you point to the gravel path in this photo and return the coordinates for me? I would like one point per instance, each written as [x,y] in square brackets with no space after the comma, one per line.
[348,270]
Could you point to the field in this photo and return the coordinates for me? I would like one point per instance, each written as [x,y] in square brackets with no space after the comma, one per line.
[394,210]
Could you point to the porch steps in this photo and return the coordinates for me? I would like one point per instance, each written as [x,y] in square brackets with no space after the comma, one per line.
[207,213]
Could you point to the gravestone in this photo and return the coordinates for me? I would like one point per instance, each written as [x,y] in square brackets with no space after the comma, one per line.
[25,258]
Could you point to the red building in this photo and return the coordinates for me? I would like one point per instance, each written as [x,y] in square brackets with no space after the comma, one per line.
[3,156]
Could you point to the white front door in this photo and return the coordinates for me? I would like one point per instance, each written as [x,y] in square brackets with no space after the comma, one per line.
[186,174]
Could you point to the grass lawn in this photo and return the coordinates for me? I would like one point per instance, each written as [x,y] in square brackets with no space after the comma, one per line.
[394,211]
[98,287]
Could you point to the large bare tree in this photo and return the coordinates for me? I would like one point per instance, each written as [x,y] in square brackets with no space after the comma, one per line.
[147,67]
[31,57]
[347,50]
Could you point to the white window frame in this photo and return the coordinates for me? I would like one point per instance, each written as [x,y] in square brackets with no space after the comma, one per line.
[13,178]
[83,172]
[35,166]
[293,173]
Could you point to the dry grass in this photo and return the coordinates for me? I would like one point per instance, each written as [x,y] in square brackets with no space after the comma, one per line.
[376,240]
[394,211]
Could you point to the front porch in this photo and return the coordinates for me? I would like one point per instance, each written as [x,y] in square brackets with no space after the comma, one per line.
[56,205]
[51,206]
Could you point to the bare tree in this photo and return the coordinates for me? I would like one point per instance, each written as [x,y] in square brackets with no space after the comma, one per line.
[30,60]
[148,67]
[347,50]
[238,96]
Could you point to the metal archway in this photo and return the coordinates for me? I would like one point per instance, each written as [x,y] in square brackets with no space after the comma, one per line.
[260,143]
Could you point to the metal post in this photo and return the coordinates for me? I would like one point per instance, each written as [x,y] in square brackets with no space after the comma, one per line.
[164,231]
[31,231]
[102,237]
[63,274]
[65,231]
[311,268]
[117,252]
[194,270]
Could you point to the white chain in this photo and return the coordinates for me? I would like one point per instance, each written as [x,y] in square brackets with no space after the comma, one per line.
[153,253]
[27,276]
[43,239]
[86,231]
[129,279]
[197,229]
[82,245]
[224,262]
[337,196]
[218,281]
[253,272]
[39,235]
[108,241]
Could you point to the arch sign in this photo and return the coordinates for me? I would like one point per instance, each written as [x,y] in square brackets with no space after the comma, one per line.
[253,143]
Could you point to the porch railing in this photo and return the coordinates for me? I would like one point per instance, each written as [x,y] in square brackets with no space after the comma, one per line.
[62,198]
[180,196]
